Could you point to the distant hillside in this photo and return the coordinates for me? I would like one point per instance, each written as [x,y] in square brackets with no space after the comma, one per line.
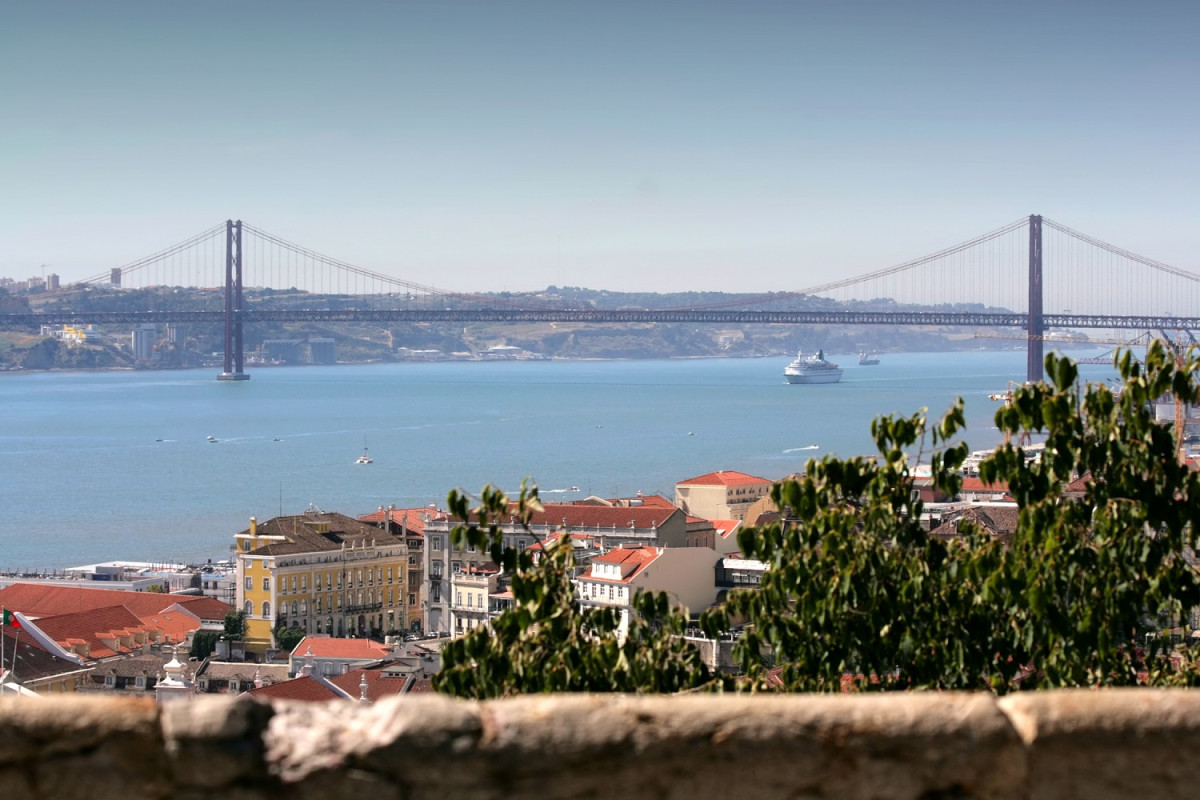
[197,344]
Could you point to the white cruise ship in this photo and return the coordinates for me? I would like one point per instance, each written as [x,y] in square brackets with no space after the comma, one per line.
[812,369]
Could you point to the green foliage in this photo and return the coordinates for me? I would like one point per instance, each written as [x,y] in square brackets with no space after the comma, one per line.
[287,638]
[856,589]
[235,626]
[156,588]
[204,643]
[546,642]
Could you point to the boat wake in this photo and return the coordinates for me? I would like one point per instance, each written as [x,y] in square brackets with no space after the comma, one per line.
[559,491]
[800,449]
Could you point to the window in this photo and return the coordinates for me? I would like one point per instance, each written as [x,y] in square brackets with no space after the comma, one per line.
[520,544]
[303,606]
[248,609]
[435,569]
[295,608]
[435,593]
[458,598]
[317,582]
[389,574]
[304,583]
[266,609]
[318,605]
[266,584]
[412,561]
[293,583]
[249,584]
[412,599]
[435,543]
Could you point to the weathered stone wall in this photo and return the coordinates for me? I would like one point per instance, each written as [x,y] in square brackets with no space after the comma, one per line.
[1116,743]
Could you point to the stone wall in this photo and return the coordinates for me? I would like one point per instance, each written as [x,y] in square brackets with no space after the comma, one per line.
[1115,743]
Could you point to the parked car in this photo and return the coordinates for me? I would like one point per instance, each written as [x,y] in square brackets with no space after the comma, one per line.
[432,635]
[413,637]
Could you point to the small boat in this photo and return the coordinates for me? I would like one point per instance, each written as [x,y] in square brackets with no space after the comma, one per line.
[363,459]
[212,438]
[866,359]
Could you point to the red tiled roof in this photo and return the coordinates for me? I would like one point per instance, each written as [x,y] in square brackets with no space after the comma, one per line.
[40,600]
[973,484]
[724,477]
[92,626]
[328,647]
[304,688]
[379,682]
[412,519]
[726,526]
[573,516]
[633,560]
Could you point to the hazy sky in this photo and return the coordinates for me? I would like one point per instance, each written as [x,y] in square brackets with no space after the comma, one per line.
[656,145]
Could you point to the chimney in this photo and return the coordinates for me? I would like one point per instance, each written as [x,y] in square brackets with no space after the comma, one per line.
[253,526]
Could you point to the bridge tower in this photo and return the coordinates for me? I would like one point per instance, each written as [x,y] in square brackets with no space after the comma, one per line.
[1035,327]
[233,303]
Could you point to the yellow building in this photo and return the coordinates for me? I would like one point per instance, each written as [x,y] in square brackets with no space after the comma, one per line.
[321,573]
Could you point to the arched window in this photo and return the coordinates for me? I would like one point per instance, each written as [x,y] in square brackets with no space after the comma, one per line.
[318,606]
[295,607]
[248,610]
[266,609]
[303,606]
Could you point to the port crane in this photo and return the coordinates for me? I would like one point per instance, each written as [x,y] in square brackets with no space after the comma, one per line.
[1176,346]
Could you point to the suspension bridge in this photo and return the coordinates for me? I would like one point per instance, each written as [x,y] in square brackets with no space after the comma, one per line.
[1033,274]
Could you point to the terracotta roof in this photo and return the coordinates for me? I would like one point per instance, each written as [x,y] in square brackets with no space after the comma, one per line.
[381,682]
[973,484]
[633,561]
[93,627]
[306,688]
[329,647]
[726,527]
[411,519]
[41,600]
[570,515]
[724,477]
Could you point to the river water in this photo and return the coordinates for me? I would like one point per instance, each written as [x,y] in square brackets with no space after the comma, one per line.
[118,465]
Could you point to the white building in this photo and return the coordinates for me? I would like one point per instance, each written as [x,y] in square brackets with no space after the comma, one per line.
[686,574]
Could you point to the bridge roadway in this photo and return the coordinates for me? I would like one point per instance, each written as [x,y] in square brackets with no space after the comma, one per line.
[717,316]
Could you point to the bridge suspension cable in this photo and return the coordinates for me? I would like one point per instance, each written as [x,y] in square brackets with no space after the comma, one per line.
[186,244]
[378,277]
[880,273]
[1117,251]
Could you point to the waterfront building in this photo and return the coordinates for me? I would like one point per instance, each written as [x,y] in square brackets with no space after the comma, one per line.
[144,338]
[724,494]
[322,573]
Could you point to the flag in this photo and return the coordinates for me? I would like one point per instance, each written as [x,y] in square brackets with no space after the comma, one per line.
[10,619]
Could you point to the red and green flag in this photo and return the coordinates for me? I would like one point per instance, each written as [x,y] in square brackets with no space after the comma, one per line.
[10,619]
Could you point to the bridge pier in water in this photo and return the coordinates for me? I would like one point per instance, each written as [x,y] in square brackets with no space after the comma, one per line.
[233,304]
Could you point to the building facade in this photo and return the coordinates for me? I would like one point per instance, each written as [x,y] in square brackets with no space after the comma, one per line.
[322,573]
[724,494]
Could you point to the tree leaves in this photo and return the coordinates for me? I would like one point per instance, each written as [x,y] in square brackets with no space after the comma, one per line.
[858,590]
[546,642]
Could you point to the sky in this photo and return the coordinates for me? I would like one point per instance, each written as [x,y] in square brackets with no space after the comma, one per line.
[510,145]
